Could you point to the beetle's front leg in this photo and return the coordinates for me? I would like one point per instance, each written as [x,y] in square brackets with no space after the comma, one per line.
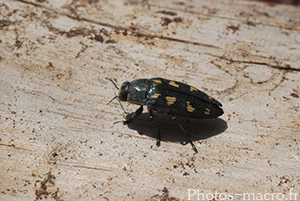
[137,113]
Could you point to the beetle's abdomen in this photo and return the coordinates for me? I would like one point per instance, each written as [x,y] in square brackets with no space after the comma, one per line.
[178,104]
[179,99]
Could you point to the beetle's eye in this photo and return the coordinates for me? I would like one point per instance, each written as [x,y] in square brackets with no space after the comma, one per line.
[123,91]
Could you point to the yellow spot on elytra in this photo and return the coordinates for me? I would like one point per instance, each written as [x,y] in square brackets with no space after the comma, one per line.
[189,107]
[170,100]
[174,84]
[207,111]
[210,98]
[155,95]
[158,81]
[193,89]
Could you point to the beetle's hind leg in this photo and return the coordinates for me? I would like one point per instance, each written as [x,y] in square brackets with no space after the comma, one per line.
[158,137]
[137,113]
[186,134]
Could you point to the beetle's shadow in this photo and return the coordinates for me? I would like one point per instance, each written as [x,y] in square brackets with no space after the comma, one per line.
[198,129]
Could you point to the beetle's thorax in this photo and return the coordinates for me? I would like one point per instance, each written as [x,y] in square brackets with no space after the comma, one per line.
[136,91]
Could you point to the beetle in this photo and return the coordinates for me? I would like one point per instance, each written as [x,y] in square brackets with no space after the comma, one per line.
[168,97]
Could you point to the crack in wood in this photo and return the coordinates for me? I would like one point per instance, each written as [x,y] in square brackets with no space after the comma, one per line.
[133,32]
[286,67]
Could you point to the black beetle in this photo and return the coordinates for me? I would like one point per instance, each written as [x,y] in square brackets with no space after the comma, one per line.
[168,97]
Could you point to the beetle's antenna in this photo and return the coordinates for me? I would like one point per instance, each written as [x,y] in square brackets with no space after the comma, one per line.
[116,97]
[122,106]
[112,100]
[113,83]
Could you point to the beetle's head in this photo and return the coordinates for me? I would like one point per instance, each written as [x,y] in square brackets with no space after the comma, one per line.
[124,91]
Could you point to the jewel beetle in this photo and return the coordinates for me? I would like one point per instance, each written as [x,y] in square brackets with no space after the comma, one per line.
[168,97]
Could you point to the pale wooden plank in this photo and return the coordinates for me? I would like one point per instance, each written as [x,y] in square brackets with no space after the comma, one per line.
[57,130]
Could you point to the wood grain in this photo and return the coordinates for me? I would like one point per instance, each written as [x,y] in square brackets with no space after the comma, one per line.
[57,134]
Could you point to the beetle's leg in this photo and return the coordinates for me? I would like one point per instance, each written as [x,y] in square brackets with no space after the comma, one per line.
[137,113]
[158,137]
[186,134]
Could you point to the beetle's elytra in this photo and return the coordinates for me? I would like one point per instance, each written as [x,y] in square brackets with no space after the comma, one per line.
[169,97]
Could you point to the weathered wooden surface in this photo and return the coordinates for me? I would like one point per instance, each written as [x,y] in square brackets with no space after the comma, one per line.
[57,136]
